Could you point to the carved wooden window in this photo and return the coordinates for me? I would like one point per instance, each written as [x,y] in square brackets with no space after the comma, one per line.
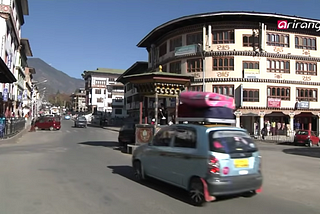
[175,42]
[250,40]
[100,82]
[194,38]
[251,95]
[280,40]
[223,37]
[163,49]
[250,65]
[223,64]
[98,91]
[223,89]
[306,68]
[308,43]
[278,66]
[196,88]
[307,94]
[175,67]
[278,92]
[194,65]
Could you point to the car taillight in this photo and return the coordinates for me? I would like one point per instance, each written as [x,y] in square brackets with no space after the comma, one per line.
[260,163]
[214,165]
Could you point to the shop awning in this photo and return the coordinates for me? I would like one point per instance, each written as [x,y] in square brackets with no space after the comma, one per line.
[6,76]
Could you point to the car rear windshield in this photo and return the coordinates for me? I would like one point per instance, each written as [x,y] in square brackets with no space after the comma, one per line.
[129,126]
[302,133]
[82,119]
[229,142]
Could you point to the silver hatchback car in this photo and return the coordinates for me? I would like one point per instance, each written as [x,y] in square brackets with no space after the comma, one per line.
[205,160]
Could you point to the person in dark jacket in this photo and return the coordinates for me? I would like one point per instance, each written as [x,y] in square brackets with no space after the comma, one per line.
[263,132]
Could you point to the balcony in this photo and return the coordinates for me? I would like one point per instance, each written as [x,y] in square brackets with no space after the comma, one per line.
[117,102]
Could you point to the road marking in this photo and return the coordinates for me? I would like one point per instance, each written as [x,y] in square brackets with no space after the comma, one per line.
[67,131]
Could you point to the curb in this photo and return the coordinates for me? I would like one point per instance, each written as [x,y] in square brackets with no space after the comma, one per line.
[111,129]
[14,138]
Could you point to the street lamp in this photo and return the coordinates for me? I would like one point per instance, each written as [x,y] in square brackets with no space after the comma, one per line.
[37,82]
[202,52]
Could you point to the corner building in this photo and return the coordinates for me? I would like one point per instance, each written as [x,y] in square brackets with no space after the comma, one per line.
[272,73]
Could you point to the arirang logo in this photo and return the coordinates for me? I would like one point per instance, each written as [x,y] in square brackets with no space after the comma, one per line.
[284,24]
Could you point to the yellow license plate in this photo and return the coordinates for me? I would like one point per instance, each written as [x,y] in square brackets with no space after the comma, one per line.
[241,163]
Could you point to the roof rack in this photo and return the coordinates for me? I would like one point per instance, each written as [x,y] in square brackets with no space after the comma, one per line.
[207,120]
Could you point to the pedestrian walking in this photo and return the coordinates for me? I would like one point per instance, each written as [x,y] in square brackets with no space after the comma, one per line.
[263,132]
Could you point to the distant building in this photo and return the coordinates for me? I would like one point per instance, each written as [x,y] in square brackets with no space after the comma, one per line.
[98,97]
[78,100]
[117,95]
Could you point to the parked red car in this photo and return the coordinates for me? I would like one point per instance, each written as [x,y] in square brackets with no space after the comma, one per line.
[306,137]
[51,123]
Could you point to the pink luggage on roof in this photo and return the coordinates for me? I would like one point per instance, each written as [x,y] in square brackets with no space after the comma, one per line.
[206,99]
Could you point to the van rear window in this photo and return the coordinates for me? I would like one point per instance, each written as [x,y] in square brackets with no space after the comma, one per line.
[302,133]
[229,142]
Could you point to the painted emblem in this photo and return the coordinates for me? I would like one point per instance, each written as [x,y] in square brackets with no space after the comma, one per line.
[144,135]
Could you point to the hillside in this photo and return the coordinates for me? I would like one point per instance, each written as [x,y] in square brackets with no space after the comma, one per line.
[57,80]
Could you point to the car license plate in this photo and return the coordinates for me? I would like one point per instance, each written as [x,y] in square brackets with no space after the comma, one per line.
[241,163]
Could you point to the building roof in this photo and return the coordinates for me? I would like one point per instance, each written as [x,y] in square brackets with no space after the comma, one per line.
[104,71]
[137,68]
[184,21]
[26,46]
[6,76]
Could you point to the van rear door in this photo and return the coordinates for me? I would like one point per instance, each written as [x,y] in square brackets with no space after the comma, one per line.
[236,152]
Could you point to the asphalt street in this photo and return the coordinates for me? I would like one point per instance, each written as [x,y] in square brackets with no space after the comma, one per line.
[78,171]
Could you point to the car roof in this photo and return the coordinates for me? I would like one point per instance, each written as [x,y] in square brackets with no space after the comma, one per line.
[211,127]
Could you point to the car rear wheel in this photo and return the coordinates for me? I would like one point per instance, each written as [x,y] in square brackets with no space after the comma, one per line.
[51,128]
[196,192]
[318,143]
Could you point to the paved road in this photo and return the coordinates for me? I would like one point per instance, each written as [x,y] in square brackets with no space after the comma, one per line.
[77,171]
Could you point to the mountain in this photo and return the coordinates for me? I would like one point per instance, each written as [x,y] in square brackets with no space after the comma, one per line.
[56,80]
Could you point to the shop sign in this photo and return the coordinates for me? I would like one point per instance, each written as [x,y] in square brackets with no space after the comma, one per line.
[185,50]
[252,73]
[144,133]
[274,102]
[5,95]
[302,105]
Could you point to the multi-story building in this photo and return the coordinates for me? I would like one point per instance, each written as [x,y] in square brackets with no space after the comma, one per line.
[12,18]
[27,95]
[78,100]
[117,95]
[98,98]
[268,62]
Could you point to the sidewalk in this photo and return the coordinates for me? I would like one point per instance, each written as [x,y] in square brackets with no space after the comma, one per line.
[15,138]
[275,139]
[111,128]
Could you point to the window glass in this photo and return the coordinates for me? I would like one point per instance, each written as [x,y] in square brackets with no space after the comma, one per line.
[231,142]
[164,137]
[185,138]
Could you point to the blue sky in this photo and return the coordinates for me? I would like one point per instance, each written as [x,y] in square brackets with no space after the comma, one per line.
[78,35]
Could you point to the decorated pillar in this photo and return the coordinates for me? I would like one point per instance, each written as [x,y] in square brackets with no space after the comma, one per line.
[291,122]
[238,115]
[261,114]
